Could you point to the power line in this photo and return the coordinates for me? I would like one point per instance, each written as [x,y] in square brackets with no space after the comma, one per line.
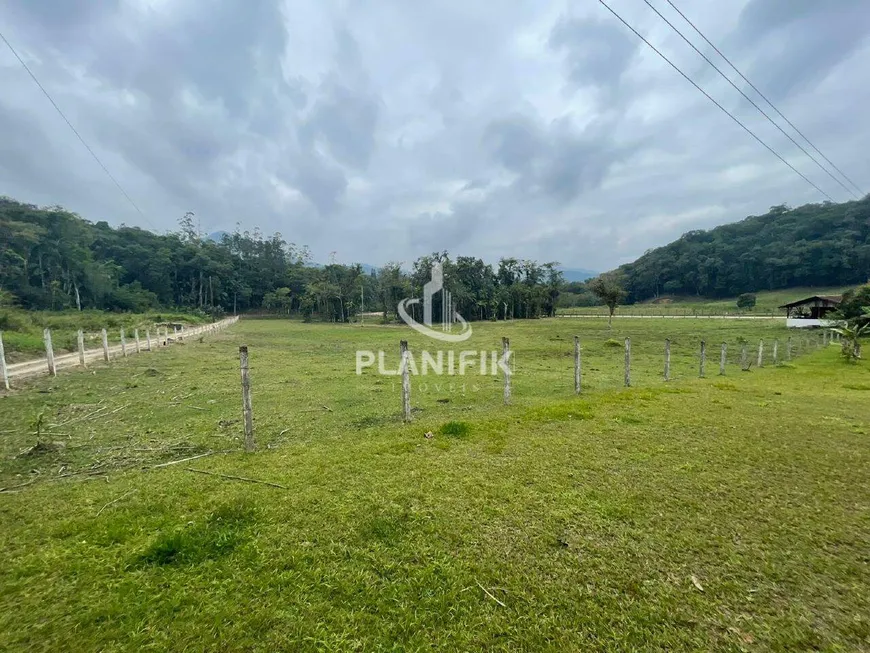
[79,136]
[709,97]
[754,88]
[751,101]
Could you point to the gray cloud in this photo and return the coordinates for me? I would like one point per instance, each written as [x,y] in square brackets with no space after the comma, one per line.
[385,131]
[598,51]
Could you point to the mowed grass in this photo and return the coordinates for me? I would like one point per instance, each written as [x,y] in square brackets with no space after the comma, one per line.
[725,513]
[767,303]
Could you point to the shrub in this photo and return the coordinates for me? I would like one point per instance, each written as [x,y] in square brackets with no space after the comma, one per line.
[746,300]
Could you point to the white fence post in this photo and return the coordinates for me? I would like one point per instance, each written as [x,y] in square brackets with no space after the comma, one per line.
[247,409]
[760,363]
[3,369]
[506,357]
[406,380]
[148,339]
[628,362]
[123,344]
[49,352]
[105,346]
[80,337]
[703,363]
[577,370]
[136,335]
[776,352]
[723,358]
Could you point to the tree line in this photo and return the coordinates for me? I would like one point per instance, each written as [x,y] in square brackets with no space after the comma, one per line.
[53,259]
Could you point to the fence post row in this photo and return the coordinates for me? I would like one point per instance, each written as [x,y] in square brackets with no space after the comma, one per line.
[577,369]
[405,366]
[506,356]
[247,409]
[49,352]
[703,359]
[3,370]
[628,362]
[80,337]
[667,359]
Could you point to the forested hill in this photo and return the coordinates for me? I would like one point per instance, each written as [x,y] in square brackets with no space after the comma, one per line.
[813,245]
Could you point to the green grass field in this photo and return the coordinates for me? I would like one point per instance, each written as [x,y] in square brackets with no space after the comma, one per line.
[767,302]
[23,330]
[724,513]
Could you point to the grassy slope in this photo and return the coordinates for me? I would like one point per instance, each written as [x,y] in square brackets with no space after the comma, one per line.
[586,517]
[22,330]
[767,301]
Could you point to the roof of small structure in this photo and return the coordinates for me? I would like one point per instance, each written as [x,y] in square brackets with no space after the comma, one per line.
[832,299]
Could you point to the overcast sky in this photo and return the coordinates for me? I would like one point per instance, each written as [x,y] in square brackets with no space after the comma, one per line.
[386,129]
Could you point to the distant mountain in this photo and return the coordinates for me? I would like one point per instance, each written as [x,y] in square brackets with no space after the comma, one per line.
[577,274]
[217,236]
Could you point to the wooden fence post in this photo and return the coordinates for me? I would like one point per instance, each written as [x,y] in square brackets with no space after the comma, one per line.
[577,371]
[405,367]
[174,333]
[247,409]
[723,358]
[788,349]
[123,344]
[628,362]
[776,352]
[506,356]
[80,337]
[667,359]
[148,339]
[760,362]
[49,352]
[3,369]
[136,335]
[105,346]
[703,359]
[744,358]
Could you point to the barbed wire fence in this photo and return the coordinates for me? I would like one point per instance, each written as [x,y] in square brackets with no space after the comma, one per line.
[776,352]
